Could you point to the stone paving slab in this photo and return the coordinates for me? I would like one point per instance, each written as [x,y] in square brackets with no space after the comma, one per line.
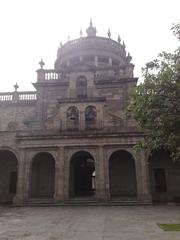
[87,223]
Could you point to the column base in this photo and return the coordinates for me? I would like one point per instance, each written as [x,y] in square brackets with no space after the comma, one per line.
[58,198]
[101,196]
[145,197]
[18,199]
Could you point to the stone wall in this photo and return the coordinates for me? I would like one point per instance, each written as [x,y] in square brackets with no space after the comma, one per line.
[15,117]
[167,188]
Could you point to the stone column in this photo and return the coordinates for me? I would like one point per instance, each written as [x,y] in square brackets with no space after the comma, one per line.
[66,176]
[142,176]
[59,176]
[18,199]
[106,169]
[23,179]
[100,175]
[27,174]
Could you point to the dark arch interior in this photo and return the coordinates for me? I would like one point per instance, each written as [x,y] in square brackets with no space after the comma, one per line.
[43,176]
[122,175]
[8,176]
[82,174]
[164,177]
[72,118]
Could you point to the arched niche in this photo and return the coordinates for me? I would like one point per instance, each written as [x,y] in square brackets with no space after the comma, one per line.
[8,175]
[43,176]
[122,175]
[72,118]
[91,117]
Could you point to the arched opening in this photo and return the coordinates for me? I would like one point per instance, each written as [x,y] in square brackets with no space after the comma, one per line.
[42,176]
[90,117]
[122,175]
[164,177]
[82,174]
[72,118]
[8,176]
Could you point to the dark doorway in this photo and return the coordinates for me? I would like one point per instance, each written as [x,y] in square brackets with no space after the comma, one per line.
[8,176]
[122,175]
[82,174]
[43,176]
[164,177]
[12,182]
[160,180]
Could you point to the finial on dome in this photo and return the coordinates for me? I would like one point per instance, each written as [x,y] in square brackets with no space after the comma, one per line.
[109,33]
[90,24]
[91,31]
[60,44]
[41,63]
[119,39]
[81,32]
[16,86]
[124,45]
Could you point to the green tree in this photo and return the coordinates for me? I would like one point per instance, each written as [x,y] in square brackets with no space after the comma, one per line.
[155,103]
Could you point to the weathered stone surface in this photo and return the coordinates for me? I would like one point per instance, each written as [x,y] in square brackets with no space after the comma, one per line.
[78,108]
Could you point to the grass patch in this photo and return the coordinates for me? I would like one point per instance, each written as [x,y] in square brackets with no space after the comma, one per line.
[169,226]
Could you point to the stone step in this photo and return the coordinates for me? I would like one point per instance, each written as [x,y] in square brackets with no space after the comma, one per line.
[84,202]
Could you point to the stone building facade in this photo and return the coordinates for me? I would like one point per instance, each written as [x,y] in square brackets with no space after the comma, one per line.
[71,140]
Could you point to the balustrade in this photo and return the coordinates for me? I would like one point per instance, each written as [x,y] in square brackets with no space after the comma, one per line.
[52,75]
[6,97]
[48,75]
[27,96]
[17,96]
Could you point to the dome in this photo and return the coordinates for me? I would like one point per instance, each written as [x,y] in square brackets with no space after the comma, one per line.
[92,51]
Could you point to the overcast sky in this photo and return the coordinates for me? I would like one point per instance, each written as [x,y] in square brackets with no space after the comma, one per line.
[32,29]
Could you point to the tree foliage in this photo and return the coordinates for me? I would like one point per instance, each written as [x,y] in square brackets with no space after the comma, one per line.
[155,103]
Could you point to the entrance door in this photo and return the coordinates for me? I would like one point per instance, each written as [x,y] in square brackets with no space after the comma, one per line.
[82,174]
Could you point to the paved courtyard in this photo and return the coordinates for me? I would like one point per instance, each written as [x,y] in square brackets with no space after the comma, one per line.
[87,223]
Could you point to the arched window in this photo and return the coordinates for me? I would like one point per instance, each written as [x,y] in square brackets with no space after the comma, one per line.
[81,87]
[90,117]
[73,118]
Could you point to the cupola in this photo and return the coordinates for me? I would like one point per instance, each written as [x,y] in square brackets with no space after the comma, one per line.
[91,31]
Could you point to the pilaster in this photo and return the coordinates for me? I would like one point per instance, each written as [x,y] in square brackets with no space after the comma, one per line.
[59,176]
[18,199]
[100,175]
[142,176]
[23,179]
[81,120]
[66,174]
